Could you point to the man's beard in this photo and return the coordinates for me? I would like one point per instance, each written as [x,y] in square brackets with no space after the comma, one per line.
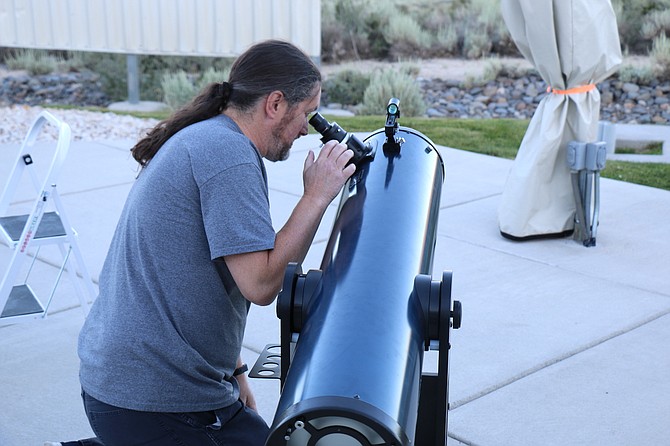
[279,150]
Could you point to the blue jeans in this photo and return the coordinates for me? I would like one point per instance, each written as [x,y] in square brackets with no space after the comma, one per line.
[235,425]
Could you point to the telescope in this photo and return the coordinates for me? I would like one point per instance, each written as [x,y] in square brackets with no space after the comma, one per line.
[353,333]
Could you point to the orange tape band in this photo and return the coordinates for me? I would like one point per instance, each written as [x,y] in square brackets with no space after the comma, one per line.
[580,89]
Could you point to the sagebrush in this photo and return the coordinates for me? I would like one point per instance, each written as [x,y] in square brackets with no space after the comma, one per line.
[393,83]
[376,29]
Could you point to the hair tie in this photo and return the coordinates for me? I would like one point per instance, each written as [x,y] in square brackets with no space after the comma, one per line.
[224,90]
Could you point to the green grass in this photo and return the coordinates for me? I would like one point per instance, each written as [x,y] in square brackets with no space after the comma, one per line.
[501,138]
[495,137]
[654,148]
[648,174]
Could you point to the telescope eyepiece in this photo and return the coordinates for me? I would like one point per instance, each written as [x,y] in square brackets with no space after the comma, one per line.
[319,123]
[327,130]
[330,131]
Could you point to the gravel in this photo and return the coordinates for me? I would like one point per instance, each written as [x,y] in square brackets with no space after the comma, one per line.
[85,125]
[21,98]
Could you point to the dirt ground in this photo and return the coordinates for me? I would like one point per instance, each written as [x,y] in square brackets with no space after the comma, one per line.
[447,69]
[452,69]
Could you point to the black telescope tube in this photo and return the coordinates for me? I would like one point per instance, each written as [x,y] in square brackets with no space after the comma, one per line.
[355,373]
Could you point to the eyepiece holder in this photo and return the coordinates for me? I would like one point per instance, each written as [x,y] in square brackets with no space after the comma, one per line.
[330,131]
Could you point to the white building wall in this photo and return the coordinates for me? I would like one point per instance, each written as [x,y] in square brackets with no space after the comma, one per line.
[223,28]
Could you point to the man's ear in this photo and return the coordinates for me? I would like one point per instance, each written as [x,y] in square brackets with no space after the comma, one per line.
[274,104]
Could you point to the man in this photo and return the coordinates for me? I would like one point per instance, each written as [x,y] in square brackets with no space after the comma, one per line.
[193,248]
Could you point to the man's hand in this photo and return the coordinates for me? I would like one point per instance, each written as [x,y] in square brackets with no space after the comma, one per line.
[246,395]
[324,177]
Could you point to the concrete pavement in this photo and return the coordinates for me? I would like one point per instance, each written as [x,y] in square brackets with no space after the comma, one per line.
[560,344]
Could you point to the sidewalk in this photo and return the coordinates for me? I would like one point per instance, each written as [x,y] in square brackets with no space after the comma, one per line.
[560,344]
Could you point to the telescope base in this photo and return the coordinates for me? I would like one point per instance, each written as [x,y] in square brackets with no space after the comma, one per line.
[336,421]
[431,426]
[268,364]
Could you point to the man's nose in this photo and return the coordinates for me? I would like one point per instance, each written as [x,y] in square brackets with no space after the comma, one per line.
[304,130]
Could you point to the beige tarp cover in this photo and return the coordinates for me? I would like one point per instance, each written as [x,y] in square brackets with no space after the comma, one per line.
[571,43]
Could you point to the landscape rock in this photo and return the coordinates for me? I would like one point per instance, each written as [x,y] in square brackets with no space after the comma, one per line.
[80,88]
[506,97]
[620,102]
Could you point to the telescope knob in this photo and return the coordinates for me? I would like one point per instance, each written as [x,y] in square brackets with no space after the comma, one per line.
[457,315]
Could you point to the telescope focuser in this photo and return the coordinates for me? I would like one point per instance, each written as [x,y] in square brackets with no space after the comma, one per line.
[330,131]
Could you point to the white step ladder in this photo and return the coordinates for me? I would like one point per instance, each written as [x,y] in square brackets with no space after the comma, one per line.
[46,224]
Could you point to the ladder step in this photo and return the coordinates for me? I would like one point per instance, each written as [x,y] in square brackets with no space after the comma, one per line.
[50,226]
[21,302]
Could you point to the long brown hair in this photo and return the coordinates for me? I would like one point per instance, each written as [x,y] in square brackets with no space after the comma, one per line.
[265,67]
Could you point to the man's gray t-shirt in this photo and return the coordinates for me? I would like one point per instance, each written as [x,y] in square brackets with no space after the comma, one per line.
[163,334]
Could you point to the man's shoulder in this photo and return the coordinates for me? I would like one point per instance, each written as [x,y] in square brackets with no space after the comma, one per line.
[216,145]
[214,134]
[217,125]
